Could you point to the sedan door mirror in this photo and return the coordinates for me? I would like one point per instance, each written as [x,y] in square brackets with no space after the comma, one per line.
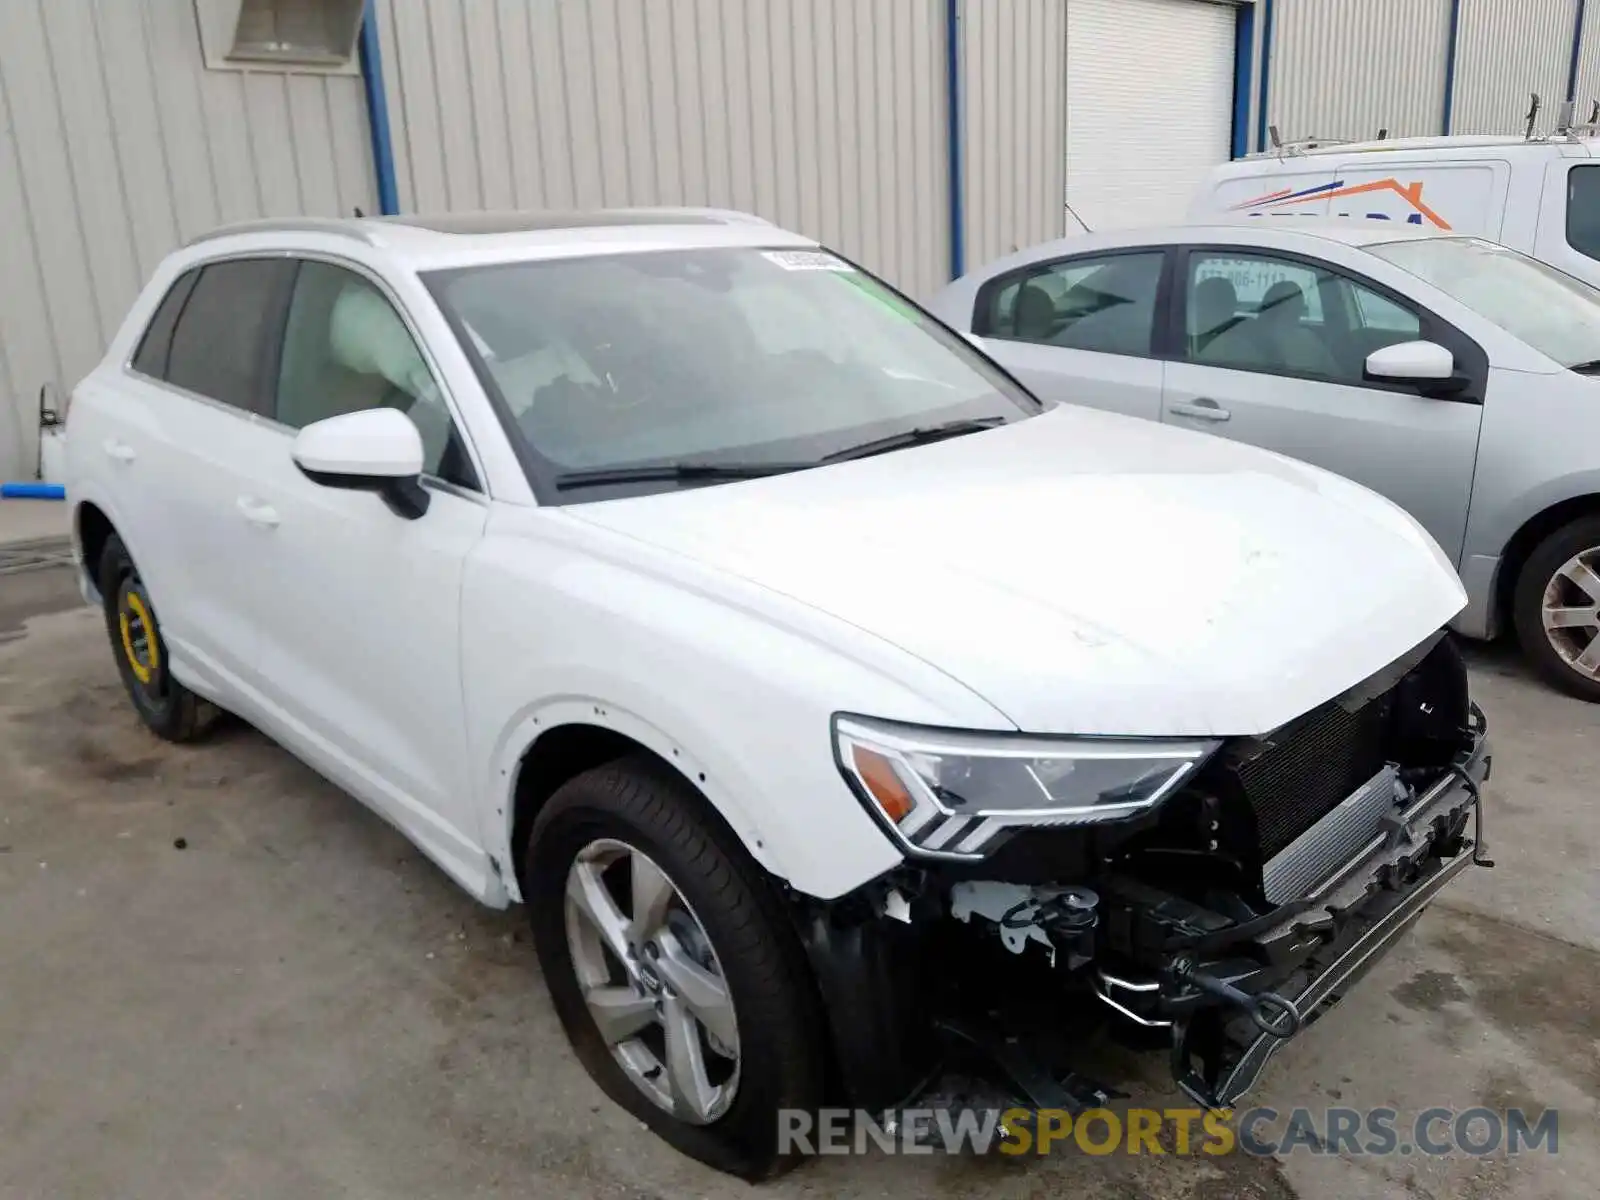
[1411,362]
[374,450]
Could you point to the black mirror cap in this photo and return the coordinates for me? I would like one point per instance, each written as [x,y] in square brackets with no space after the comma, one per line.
[1453,385]
[405,495]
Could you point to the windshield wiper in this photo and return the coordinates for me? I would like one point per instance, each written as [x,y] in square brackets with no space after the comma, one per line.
[919,436]
[672,472]
[1589,367]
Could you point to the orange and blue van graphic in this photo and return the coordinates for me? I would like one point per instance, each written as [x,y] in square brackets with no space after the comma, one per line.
[1411,193]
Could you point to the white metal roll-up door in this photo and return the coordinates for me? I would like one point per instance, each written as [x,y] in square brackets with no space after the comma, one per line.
[1149,106]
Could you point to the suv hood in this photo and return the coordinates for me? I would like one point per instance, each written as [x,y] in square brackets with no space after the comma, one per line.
[1084,572]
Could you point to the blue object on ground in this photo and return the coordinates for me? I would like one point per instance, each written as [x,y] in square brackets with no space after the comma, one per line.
[32,491]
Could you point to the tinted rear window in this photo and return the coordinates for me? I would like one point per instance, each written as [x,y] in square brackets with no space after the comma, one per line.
[220,346]
[151,358]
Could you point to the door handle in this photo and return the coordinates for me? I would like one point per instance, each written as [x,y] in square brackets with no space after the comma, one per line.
[258,513]
[119,451]
[1203,409]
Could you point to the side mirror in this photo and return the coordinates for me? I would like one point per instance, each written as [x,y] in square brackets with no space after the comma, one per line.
[374,450]
[1412,362]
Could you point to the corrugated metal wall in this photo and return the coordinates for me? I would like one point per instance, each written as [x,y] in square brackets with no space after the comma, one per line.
[1588,88]
[116,145]
[1509,48]
[826,116]
[1351,68]
[1013,57]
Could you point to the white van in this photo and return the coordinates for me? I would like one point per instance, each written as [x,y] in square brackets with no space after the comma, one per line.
[1539,195]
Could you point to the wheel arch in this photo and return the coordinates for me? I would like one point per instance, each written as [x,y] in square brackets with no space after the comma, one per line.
[1526,539]
[92,529]
[95,519]
[562,740]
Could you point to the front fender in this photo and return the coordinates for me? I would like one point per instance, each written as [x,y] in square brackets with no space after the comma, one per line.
[722,781]
[733,685]
[1494,524]
[765,763]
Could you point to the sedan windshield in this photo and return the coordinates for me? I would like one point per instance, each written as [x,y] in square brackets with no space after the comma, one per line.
[1557,315]
[671,368]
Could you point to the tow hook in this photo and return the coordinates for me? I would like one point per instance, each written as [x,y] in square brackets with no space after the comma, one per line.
[1273,1014]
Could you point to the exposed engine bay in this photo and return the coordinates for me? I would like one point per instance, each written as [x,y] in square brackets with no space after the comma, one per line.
[1219,924]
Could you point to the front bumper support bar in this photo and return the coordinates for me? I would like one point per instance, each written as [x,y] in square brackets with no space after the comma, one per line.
[1350,920]
[1345,967]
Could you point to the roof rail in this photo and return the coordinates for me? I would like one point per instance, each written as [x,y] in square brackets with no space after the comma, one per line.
[339,226]
[1569,130]
[359,229]
[731,215]
[1301,146]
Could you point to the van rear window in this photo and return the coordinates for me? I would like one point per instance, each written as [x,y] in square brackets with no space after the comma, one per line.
[1583,210]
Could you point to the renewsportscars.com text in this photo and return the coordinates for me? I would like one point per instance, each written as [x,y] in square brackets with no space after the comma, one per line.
[1378,1132]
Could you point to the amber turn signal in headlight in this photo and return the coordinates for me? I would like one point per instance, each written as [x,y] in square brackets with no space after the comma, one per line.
[951,794]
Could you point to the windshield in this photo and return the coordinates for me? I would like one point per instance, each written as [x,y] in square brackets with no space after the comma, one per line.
[742,355]
[1554,313]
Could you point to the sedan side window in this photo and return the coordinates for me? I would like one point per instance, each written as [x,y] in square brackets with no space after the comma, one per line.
[1106,303]
[346,349]
[220,341]
[1257,313]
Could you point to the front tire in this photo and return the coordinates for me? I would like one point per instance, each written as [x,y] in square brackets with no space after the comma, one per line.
[676,976]
[167,708]
[1556,608]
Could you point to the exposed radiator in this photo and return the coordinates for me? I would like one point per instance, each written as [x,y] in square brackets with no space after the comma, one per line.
[1307,767]
[1334,840]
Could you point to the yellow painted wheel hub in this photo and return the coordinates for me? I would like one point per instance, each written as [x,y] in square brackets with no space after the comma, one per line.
[139,636]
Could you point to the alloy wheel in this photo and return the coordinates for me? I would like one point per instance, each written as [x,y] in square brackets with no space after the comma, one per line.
[1570,612]
[652,981]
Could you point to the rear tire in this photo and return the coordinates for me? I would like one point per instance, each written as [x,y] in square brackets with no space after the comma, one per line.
[167,708]
[1553,580]
[778,1048]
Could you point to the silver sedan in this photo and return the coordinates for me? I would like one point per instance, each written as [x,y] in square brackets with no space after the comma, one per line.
[1451,374]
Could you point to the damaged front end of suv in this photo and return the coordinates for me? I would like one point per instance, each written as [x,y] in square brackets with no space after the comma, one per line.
[1212,896]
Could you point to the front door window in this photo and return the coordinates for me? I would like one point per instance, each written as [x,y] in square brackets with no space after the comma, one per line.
[1287,317]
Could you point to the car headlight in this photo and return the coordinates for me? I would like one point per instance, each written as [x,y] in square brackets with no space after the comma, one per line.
[949,794]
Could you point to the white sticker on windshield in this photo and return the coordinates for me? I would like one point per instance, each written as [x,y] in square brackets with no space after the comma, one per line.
[806,260]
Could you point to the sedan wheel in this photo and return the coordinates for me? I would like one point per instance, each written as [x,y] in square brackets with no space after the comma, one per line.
[1570,613]
[1556,608]
[652,981]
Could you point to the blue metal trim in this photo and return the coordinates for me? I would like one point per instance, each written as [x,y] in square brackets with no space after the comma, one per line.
[1450,66]
[952,67]
[1244,53]
[1577,50]
[378,112]
[1266,74]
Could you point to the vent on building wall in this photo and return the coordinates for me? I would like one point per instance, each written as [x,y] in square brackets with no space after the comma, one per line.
[310,32]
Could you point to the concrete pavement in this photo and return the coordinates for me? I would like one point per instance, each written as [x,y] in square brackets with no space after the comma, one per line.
[297,1004]
[31,520]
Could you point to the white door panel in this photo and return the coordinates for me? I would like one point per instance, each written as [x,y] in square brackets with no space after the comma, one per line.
[192,459]
[1417,451]
[1115,382]
[359,610]
[1568,220]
